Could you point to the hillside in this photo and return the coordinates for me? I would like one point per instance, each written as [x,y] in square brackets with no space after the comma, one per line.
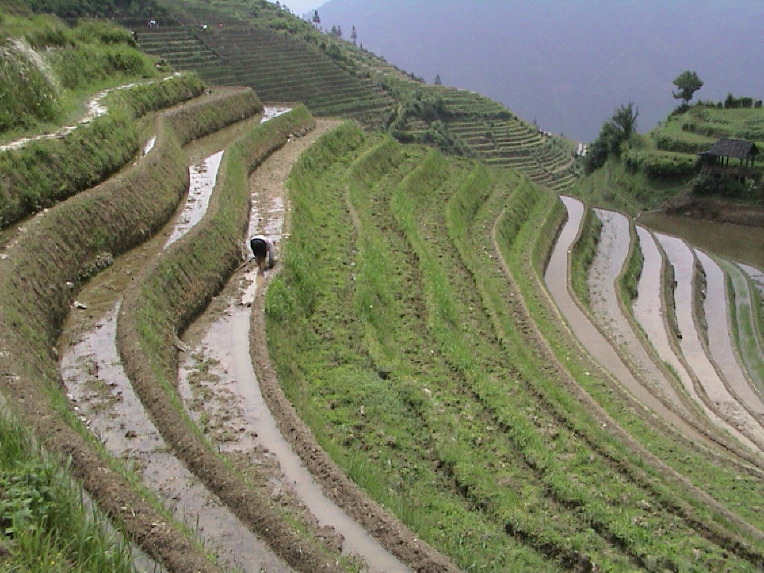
[285,59]
[467,372]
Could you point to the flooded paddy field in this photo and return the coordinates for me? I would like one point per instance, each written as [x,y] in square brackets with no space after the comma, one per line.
[673,351]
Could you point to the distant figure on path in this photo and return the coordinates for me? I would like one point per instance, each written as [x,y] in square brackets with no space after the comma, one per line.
[262,249]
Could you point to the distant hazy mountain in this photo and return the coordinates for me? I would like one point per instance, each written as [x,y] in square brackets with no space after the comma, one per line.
[567,64]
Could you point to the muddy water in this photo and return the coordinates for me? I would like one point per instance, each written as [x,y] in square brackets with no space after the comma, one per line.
[240,419]
[737,242]
[651,314]
[149,145]
[556,279]
[202,179]
[723,351]
[756,275]
[742,425]
[612,250]
[752,348]
[105,400]
[218,383]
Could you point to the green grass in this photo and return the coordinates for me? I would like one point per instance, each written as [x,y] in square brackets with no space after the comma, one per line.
[45,524]
[720,482]
[615,187]
[583,253]
[406,349]
[46,171]
[629,278]
[747,320]
[42,60]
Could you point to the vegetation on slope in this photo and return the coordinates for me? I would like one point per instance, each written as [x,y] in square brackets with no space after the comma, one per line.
[283,58]
[43,270]
[46,65]
[46,524]
[632,172]
[48,71]
[401,340]
[174,289]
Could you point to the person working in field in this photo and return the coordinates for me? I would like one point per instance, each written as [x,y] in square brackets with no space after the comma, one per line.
[262,249]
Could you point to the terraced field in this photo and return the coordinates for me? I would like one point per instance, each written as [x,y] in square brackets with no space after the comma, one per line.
[413,387]
[431,342]
[334,78]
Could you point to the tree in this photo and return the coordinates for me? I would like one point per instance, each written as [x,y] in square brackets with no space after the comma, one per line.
[621,126]
[687,83]
[336,32]
[625,119]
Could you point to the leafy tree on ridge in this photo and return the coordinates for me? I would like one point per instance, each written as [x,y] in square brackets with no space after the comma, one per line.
[687,83]
[621,126]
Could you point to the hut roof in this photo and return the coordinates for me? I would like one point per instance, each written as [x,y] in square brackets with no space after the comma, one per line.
[735,148]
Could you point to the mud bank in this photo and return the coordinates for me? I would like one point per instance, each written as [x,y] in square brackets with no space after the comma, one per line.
[104,398]
[42,272]
[713,390]
[596,343]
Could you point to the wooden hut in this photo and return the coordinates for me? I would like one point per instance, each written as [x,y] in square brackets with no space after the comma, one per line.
[717,159]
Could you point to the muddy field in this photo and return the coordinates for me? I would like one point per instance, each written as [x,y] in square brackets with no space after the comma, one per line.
[218,385]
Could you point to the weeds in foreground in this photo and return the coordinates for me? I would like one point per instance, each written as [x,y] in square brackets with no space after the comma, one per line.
[45,524]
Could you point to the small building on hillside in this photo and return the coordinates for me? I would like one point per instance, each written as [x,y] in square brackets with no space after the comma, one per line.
[717,159]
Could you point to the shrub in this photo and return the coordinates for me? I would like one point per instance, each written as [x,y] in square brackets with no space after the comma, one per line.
[102,32]
[660,164]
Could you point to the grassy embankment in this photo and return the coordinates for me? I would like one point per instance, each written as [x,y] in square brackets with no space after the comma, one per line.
[748,321]
[47,525]
[42,272]
[401,341]
[583,252]
[173,290]
[729,520]
[49,71]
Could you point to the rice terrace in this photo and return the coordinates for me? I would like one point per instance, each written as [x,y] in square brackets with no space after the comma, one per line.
[479,348]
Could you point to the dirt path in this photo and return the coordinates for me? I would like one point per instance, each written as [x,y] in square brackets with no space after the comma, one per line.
[93,109]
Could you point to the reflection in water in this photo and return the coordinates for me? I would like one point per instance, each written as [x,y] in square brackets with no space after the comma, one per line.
[202,182]
[718,324]
[737,242]
[740,422]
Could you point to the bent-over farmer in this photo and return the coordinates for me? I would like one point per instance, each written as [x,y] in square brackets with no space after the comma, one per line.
[262,249]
